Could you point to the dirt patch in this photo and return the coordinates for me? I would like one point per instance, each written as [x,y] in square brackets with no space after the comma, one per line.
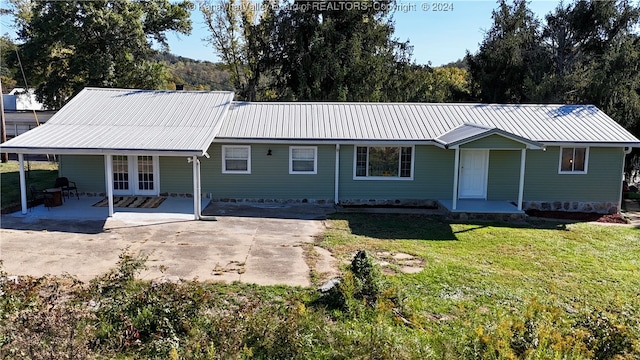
[578,216]
[394,263]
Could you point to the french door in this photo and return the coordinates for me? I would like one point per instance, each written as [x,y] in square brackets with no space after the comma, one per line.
[135,175]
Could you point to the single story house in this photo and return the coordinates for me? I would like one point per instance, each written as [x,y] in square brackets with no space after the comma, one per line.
[204,144]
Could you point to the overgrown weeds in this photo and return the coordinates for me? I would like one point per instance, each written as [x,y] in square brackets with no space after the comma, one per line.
[490,298]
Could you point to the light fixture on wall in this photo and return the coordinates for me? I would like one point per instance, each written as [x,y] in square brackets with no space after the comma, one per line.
[269,152]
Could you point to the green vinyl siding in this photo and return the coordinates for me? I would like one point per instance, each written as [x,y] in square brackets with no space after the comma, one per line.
[504,175]
[269,178]
[176,175]
[87,171]
[493,142]
[432,178]
[602,182]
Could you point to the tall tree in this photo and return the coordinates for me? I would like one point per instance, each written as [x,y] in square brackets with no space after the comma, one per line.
[234,34]
[69,45]
[8,72]
[309,50]
[511,59]
[335,53]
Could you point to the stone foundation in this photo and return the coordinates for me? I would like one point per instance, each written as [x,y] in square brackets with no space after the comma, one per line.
[390,203]
[274,201]
[498,217]
[600,207]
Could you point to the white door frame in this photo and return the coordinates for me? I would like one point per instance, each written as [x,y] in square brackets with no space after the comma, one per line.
[132,168]
[483,177]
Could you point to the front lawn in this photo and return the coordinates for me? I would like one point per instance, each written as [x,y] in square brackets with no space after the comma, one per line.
[41,174]
[486,291]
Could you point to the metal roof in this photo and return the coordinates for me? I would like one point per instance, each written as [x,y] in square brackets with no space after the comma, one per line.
[144,121]
[388,122]
[466,133]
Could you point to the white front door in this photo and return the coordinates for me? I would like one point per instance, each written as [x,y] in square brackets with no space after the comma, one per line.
[474,165]
[135,175]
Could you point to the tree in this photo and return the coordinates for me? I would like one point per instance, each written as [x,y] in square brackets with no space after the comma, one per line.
[335,53]
[309,50]
[584,52]
[69,45]
[235,33]
[511,60]
[8,73]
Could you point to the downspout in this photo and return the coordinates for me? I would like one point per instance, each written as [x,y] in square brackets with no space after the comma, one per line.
[336,197]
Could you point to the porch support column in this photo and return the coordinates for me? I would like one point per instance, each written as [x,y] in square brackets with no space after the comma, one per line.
[523,159]
[23,185]
[108,159]
[196,199]
[456,170]
[337,178]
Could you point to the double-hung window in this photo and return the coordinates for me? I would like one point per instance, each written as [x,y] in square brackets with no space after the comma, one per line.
[573,160]
[384,162]
[303,160]
[236,159]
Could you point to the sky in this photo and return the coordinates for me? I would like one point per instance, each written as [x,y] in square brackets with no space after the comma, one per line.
[437,36]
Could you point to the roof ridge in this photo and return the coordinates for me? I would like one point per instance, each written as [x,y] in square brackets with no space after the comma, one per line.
[238,102]
[159,90]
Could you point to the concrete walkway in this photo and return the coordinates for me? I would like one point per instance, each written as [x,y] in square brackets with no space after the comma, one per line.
[262,250]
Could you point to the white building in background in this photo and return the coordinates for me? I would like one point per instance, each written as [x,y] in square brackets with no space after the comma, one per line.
[21,109]
[20,100]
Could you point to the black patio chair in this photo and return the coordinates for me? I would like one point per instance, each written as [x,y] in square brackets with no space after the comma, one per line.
[67,187]
[36,196]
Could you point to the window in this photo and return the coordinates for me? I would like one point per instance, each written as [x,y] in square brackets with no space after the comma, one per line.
[573,160]
[383,162]
[120,172]
[145,173]
[236,159]
[303,160]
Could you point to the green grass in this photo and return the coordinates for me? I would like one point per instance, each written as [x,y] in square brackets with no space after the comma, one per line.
[477,274]
[566,261]
[41,174]
[487,291]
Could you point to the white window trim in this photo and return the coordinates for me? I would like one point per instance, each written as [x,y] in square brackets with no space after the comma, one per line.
[315,160]
[387,178]
[572,172]
[224,163]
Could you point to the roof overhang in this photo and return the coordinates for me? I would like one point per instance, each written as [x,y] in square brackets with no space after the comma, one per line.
[97,151]
[467,133]
[227,140]
[592,144]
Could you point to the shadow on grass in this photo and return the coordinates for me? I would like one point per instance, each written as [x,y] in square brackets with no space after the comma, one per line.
[395,226]
[423,227]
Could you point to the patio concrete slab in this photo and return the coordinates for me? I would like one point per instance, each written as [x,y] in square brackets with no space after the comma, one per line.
[263,250]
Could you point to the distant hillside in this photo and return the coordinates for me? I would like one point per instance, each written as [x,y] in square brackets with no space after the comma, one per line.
[194,74]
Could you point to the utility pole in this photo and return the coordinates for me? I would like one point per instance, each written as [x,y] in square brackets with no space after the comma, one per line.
[3,127]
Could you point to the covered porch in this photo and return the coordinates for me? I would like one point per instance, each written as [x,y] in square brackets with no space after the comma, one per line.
[473,145]
[130,130]
[172,208]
